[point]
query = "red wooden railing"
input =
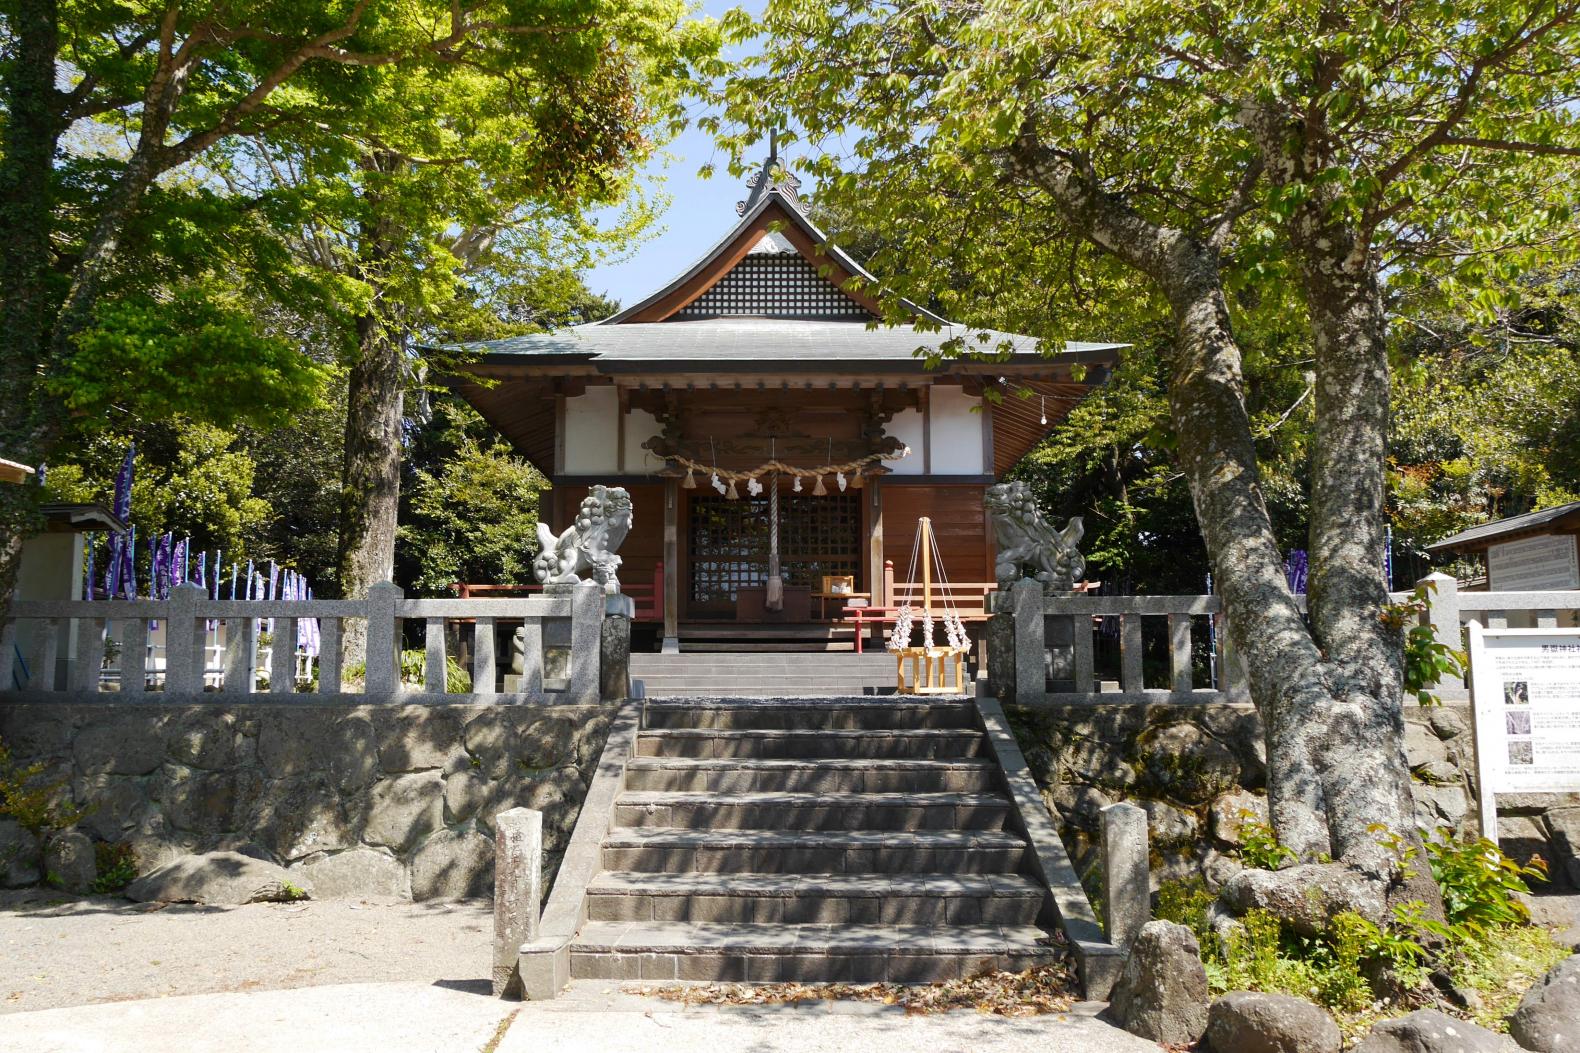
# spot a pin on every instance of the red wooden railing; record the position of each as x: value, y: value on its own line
x: 648, y: 596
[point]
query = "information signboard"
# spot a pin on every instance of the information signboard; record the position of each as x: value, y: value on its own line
x: 1525, y: 695
x: 1534, y: 564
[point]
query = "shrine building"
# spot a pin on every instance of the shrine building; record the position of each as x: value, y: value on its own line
x: 765, y: 353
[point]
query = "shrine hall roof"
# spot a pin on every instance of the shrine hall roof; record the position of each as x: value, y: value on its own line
x: 757, y: 343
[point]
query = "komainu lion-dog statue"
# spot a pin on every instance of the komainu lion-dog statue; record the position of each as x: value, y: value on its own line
x: 1028, y: 545
x: 588, y: 545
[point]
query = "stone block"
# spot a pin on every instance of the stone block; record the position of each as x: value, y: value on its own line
x: 21, y: 860
x: 1161, y: 993
x: 1564, y: 827
x: 203, y: 739
x: 69, y: 862
x: 1227, y: 816
x: 356, y: 873
x: 1429, y: 1031
x: 1184, y: 763
x: 1168, y: 825
x: 299, y: 740
x: 417, y: 738
x: 354, y: 765
x: 1126, y: 899
x: 1448, y: 802
x: 487, y: 738
x: 1079, y: 805
x: 115, y: 803
x: 131, y: 745
x: 220, y: 878
x: 1548, y: 1017
x: 203, y: 802
x: 405, y: 809
x: 1422, y: 746
x: 293, y: 818
x: 518, y: 893
x: 543, y: 743
x: 465, y: 792
x: 453, y: 864
x: 1254, y: 1022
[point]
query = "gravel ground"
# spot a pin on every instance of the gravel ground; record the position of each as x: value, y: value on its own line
x: 61, y: 951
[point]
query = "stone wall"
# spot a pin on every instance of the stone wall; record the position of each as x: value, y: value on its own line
x: 1197, y: 770
x: 393, y: 800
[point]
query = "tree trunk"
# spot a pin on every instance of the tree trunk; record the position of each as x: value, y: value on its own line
x: 29, y: 135
x: 370, y: 478
x: 1329, y: 701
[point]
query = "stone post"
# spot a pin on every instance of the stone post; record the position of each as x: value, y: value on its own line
x: 183, y: 642
x: 1001, y: 649
x: 1031, y: 663
x: 518, y: 892
x: 382, y: 674
x: 614, y: 649
x: 1126, y: 893
x: 1442, y: 611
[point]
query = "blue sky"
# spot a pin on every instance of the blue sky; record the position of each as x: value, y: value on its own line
x: 699, y: 212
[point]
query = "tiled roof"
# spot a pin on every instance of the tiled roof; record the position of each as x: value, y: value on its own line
x: 759, y: 342
x: 1480, y: 536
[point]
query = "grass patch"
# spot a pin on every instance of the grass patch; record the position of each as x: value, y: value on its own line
x: 1503, y: 966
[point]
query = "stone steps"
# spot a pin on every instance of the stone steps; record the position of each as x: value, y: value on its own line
x: 912, y: 743
x: 735, y: 775
x: 800, y: 899
x: 723, y: 951
x: 764, y: 675
x: 812, y: 811
x: 833, y: 851
x: 809, y: 715
x: 801, y: 838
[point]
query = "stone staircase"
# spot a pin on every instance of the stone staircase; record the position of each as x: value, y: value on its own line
x: 758, y: 674
x: 813, y: 839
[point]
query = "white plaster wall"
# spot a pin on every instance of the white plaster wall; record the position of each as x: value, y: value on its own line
x: 640, y: 426
x: 592, y: 432
x: 907, y: 427
x: 956, y: 432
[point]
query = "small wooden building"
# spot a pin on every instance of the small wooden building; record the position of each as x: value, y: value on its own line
x: 765, y: 350
x: 1535, y: 552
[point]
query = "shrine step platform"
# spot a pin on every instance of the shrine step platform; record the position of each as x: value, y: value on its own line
x: 764, y: 674
x: 848, y: 839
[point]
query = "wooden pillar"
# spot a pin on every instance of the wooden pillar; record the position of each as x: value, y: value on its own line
x: 874, y: 488
x: 671, y: 598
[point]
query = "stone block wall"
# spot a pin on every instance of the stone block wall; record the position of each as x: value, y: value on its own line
x: 394, y: 800
x: 1199, y: 770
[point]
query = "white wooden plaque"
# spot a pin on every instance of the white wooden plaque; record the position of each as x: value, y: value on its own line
x: 1525, y: 700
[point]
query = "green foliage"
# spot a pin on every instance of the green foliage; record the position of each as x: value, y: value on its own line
x: 1259, y: 846
x: 1480, y: 884
x: 1502, y: 964
x: 291, y: 893
x: 36, y: 803
x: 1185, y: 901
x: 414, y: 665
x: 116, y: 864
x: 470, y: 505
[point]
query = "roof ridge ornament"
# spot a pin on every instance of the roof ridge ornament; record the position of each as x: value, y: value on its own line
x: 779, y: 178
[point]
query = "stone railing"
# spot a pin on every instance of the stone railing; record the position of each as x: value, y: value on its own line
x: 1041, y: 643
x: 560, y: 635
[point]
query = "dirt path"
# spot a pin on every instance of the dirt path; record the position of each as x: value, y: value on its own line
x: 60, y: 951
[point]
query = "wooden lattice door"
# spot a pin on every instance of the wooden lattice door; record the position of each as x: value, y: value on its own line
x: 727, y: 545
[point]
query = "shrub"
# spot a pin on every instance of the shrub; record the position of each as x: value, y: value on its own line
x: 31, y: 800
x: 116, y: 864
x: 413, y: 665
x: 1480, y: 884
x: 1259, y: 846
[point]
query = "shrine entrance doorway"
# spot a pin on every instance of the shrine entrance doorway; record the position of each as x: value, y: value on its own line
x: 727, y: 550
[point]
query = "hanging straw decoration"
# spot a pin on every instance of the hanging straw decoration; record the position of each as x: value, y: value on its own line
x: 732, y: 494
x: 844, y: 475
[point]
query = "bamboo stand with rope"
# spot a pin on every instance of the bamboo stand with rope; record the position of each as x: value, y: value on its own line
x: 929, y: 663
